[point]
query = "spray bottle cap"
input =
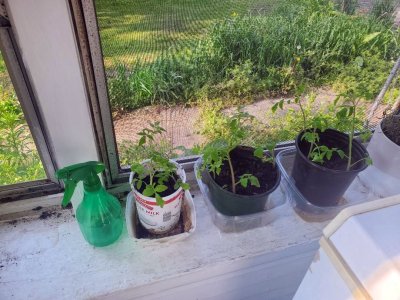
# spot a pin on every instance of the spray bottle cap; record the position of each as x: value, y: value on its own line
x: 86, y: 172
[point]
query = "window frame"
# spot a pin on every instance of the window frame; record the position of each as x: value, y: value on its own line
x: 84, y: 22
x: 26, y: 97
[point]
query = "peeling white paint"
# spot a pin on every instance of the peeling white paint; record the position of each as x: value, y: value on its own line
x: 49, y: 259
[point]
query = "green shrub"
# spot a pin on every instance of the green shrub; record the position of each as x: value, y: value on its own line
x: 241, y: 80
x: 365, y: 75
x: 287, y: 124
x: 245, y: 55
x: 392, y: 95
x: 19, y: 160
x: 130, y: 152
x: 130, y: 89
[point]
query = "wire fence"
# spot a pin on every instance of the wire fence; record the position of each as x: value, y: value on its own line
x: 143, y: 31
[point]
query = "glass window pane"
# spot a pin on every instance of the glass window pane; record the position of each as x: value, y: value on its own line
x: 19, y: 159
x: 183, y: 63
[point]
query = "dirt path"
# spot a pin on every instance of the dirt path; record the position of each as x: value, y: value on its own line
x: 178, y: 121
x: 181, y: 123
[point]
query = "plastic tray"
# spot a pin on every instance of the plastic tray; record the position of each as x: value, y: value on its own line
x: 188, y: 218
x: 356, y: 193
x: 273, y: 209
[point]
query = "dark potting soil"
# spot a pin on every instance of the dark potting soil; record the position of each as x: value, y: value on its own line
x: 170, y: 184
x: 184, y: 224
x: 336, y: 162
x: 391, y: 128
x: 244, y: 162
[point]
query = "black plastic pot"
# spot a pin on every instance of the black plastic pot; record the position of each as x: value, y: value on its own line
x: 231, y: 204
x: 320, y: 185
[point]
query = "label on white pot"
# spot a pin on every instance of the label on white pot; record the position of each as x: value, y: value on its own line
x: 158, y: 219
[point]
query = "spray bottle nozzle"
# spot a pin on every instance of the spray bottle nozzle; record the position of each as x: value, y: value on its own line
x: 86, y: 172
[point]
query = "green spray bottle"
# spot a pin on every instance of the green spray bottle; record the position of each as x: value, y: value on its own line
x: 99, y: 214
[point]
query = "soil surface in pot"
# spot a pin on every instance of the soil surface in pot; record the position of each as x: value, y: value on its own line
x: 170, y: 184
x: 391, y: 128
x: 244, y: 162
x: 336, y: 162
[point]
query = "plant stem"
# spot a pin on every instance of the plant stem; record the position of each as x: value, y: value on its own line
x: 357, y: 162
x: 311, y: 145
x: 232, y: 174
x: 351, y: 136
x: 303, y: 114
x: 151, y: 179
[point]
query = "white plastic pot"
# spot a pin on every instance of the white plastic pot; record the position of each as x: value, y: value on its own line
x: 158, y: 219
x: 132, y: 220
x: 385, y: 154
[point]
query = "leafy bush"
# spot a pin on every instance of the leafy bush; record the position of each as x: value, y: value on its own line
x: 217, y: 152
x: 286, y: 125
x: 130, y: 152
x: 241, y: 80
x: 19, y: 160
x: 130, y: 90
x: 151, y: 177
x: 246, y: 55
x: 365, y: 76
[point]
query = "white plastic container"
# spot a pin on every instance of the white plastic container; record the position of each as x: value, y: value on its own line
x: 275, y: 207
x: 359, y: 255
x: 356, y: 193
x: 188, y: 219
x: 385, y: 154
x: 154, y: 218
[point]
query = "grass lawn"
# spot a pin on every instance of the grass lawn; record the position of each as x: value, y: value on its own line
x: 137, y: 31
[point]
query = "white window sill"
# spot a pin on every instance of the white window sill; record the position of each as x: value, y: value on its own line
x: 49, y: 259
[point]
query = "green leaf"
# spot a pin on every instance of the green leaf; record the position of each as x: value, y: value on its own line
x: 176, y: 185
x: 359, y: 61
x: 342, y: 114
x: 198, y: 174
x: 142, y: 141
x: 254, y: 181
x: 310, y: 137
x: 365, y: 136
x: 368, y: 161
x: 341, y: 153
x: 139, y: 184
x: 244, y: 181
x: 329, y: 155
x: 281, y: 104
x: 337, y: 99
x: 370, y: 37
x: 149, y: 191
x: 259, y: 152
x: 274, y: 107
x: 185, y: 186
x: 161, y: 188
x: 137, y: 168
x: 350, y: 111
x: 160, y: 202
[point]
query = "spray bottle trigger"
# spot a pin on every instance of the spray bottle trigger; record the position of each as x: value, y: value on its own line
x: 70, y: 186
